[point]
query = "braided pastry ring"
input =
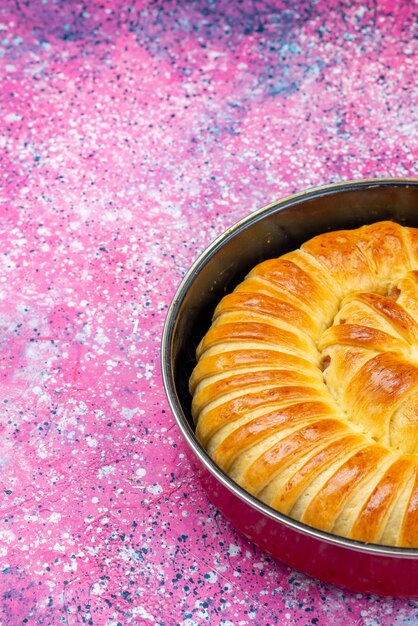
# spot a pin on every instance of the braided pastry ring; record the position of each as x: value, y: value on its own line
x: 305, y: 390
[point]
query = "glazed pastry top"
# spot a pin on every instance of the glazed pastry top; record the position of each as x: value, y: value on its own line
x: 305, y: 390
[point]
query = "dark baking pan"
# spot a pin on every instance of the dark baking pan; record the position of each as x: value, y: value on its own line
x: 269, y: 232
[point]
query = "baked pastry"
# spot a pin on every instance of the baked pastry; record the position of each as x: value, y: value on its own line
x: 305, y: 390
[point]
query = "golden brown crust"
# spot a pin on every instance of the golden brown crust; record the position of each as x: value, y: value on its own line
x: 371, y: 519
x: 305, y: 389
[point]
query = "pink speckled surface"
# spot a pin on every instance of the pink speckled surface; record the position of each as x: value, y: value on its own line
x: 131, y: 135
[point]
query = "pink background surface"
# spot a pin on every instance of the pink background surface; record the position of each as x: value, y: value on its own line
x: 132, y: 134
